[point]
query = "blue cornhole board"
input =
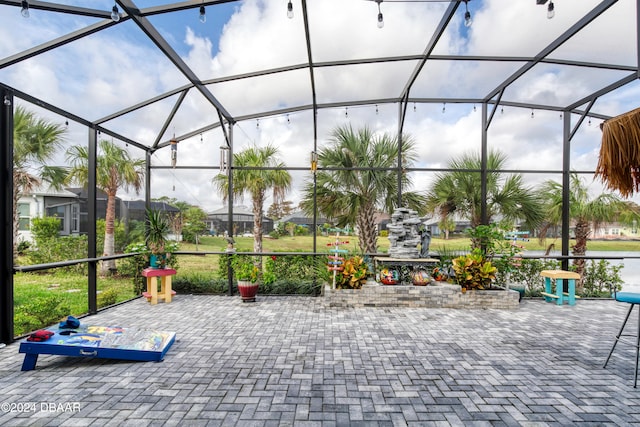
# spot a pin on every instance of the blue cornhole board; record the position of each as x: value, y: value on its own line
x: 102, y: 342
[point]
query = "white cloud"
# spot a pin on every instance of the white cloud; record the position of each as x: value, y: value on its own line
x: 105, y: 72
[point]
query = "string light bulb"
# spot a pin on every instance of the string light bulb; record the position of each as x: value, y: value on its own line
x: 290, y: 10
x: 467, y: 15
x: 380, y: 17
x: 203, y: 14
x: 115, y: 13
x: 7, y: 101
x: 25, y: 9
x: 550, y: 10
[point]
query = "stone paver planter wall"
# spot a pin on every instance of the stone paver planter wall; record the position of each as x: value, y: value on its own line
x: 439, y: 295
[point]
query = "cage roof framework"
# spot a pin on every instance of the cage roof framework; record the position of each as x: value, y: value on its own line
x: 111, y: 74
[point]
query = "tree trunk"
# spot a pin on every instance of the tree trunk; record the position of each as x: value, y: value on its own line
x: 582, y: 232
x: 109, y: 235
x: 258, y: 202
x: 16, y: 222
x: 367, y: 230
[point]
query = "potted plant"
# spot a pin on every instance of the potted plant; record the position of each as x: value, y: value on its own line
x: 156, y: 239
x: 353, y: 275
x: 247, y: 274
x: 474, y: 271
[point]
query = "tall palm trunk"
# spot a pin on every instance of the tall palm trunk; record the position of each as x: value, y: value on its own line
x: 258, y: 200
x: 109, y: 234
x: 582, y: 232
x: 367, y: 231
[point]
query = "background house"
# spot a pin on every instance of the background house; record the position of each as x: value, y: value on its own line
x: 217, y: 221
x: 71, y: 207
x: 61, y: 204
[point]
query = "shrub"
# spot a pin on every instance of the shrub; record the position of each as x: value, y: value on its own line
x: 199, y: 283
x: 473, y: 271
x: 45, y: 228
x: 600, y: 278
x: 108, y: 297
x: 291, y: 287
x: 354, y: 273
x: 63, y: 248
x: 40, y: 312
x: 528, y: 274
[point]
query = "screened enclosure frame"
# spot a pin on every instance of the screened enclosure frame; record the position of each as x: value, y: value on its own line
x: 225, y: 120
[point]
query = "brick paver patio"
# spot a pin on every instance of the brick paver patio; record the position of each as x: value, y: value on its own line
x: 292, y: 361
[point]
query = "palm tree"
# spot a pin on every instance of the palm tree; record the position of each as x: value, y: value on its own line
x: 361, y: 177
x: 507, y: 197
x: 584, y: 212
x: 116, y: 169
x: 255, y: 171
x: 35, y: 143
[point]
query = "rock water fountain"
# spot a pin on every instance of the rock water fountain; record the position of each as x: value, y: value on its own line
x: 404, y: 234
x: 404, y: 258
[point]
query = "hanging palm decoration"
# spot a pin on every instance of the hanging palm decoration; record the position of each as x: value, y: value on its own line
x: 619, y: 160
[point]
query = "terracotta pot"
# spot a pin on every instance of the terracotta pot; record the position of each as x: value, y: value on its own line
x: 248, y: 290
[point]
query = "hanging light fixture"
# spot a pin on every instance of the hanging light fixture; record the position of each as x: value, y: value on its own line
x: 550, y: 10
x: 290, y: 10
x: 203, y: 15
x: 25, y: 9
x: 467, y: 15
x: 380, y: 17
x: 7, y: 101
x: 115, y: 13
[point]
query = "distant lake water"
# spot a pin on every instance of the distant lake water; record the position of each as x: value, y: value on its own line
x: 630, y: 272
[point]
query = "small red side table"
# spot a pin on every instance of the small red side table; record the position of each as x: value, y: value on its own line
x: 152, y: 275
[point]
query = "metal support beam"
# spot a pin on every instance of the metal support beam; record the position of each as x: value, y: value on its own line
x: 172, y: 114
x: 230, y: 203
x: 483, y: 166
x: 574, y: 29
x: 6, y: 216
x: 92, y: 216
x: 566, y: 183
x: 314, y: 106
x: 155, y: 36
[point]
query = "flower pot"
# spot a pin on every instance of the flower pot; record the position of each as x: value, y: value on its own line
x: 420, y: 278
x: 389, y: 276
x: 248, y: 290
x: 158, y: 260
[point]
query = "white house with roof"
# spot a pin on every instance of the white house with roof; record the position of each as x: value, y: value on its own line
x: 41, y: 202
